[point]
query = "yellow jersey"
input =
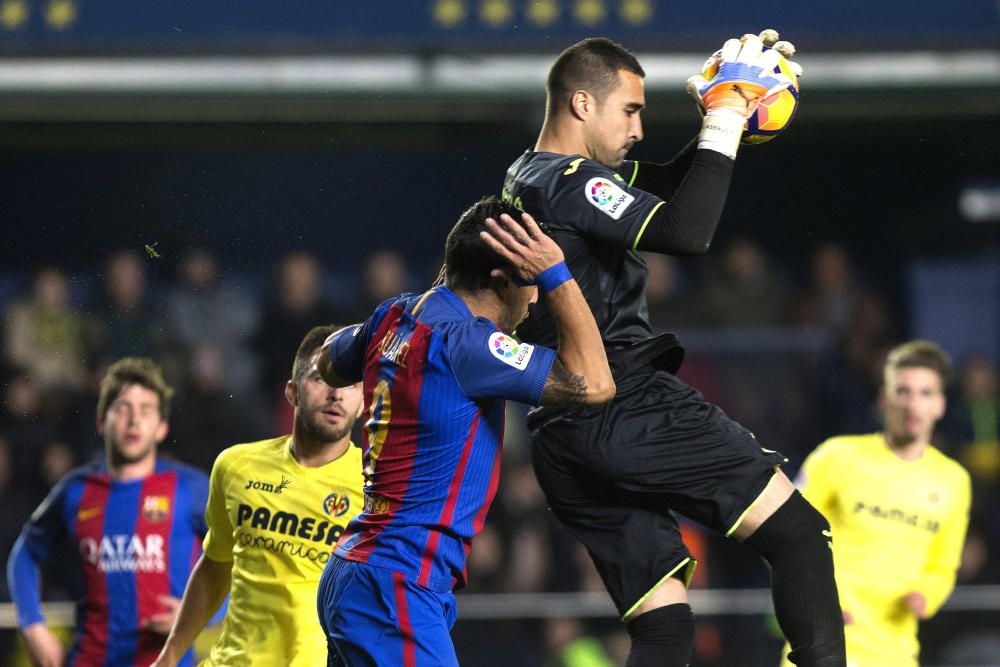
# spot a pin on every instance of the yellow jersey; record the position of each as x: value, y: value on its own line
x: 898, y: 527
x: 277, y: 522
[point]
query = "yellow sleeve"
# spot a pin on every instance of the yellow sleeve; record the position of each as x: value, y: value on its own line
x: 817, y: 480
x: 938, y: 578
x: 219, y: 542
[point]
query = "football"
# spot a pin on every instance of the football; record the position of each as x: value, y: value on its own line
x: 774, y: 112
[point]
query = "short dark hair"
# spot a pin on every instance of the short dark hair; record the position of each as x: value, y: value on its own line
x: 921, y: 354
x: 592, y: 65
x: 468, y: 261
x: 307, y: 348
x: 133, y: 370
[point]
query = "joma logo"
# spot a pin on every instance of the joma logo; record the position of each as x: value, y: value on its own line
x: 266, y: 486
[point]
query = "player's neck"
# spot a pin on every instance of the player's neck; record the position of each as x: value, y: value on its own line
x: 907, y: 450
x: 312, y: 453
x: 556, y: 138
x: 128, y: 472
x: 484, y: 303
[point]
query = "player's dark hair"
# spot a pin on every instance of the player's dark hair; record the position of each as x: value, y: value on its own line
x: 133, y: 370
x: 921, y: 354
x: 468, y: 261
x: 592, y: 65
x: 307, y: 348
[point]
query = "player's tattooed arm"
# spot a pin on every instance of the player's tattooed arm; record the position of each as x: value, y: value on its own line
x: 563, y: 387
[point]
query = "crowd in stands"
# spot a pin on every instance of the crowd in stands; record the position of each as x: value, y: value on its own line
x: 796, y: 356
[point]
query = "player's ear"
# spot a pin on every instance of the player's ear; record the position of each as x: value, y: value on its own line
x: 162, y: 430
x: 581, y: 104
x: 292, y: 393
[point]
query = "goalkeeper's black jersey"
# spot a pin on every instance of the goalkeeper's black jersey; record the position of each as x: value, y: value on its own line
x: 598, y: 218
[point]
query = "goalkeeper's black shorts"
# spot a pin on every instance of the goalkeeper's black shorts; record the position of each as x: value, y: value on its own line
x: 612, y: 474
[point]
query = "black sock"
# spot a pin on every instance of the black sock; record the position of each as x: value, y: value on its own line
x: 663, y: 637
x: 796, y: 544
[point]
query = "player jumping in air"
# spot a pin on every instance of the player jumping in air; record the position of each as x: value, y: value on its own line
x: 613, y: 473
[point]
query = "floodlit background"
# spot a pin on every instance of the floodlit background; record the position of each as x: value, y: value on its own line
x: 202, y: 181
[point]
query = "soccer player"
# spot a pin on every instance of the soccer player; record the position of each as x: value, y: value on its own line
x: 131, y: 525
x: 275, y: 509
x: 437, y: 369
x: 612, y: 474
x: 898, y: 508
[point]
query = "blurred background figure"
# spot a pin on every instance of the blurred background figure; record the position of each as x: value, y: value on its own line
x: 747, y: 290
x: 385, y: 276
x: 829, y: 301
x: 295, y: 305
x: 128, y: 318
x: 202, y: 309
x: 47, y: 337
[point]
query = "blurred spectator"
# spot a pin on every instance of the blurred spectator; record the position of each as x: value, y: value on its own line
x: 749, y: 291
x: 26, y: 430
x: 204, y: 310
x: 670, y: 304
x: 830, y: 300
x: 128, y: 318
x: 853, y: 375
x: 385, y: 276
x: 45, y: 336
x: 972, y: 427
x: 296, y: 305
x: 207, y: 417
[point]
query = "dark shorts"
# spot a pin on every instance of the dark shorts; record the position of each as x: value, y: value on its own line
x: 613, y: 473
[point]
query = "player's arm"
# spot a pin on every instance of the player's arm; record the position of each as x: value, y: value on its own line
x: 34, y: 547
x: 341, y: 356
x: 206, y: 590
x: 938, y: 578
x: 580, y: 373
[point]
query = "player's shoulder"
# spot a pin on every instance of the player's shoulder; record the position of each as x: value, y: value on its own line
x: 852, y: 446
x: 251, y: 452
x: 94, y: 470
x: 183, y: 470
x: 948, y: 467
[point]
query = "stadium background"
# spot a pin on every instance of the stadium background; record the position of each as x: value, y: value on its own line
x: 203, y: 184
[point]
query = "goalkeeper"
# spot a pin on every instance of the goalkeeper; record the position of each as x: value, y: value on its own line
x: 613, y: 473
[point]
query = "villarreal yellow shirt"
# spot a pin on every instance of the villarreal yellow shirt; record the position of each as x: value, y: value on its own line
x: 898, y: 527
x: 277, y: 522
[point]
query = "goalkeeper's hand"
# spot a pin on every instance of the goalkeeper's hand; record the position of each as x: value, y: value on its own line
x: 712, y: 89
x: 732, y: 83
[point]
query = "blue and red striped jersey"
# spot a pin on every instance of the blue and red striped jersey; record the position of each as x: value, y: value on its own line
x: 130, y: 541
x: 435, y: 383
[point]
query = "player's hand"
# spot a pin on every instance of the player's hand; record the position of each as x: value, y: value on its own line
x: 44, y: 648
x: 848, y: 617
x: 529, y: 250
x: 162, y: 622
x: 916, y: 603
x: 740, y: 74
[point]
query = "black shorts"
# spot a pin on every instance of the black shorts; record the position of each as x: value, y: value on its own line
x: 612, y: 474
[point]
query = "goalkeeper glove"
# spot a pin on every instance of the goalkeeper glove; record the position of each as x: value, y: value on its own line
x: 732, y: 83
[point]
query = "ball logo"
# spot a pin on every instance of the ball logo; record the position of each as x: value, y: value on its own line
x: 607, y: 197
x: 510, y: 351
x: 336, y: 504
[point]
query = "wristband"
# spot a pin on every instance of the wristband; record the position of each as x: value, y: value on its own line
x: 554, y: 276
x: 721, y: 131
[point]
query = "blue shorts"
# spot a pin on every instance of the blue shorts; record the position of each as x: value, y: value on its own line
x: 375, y: 616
